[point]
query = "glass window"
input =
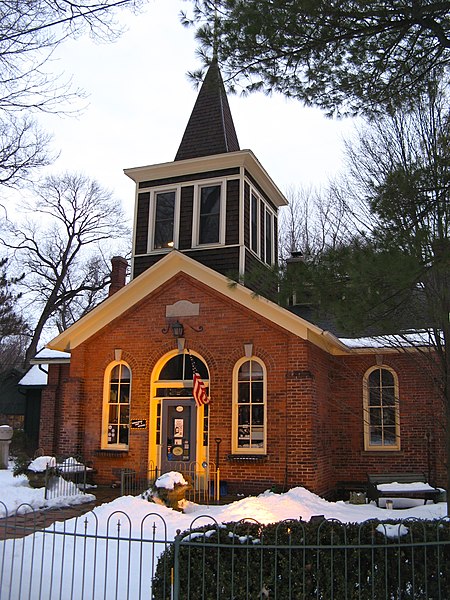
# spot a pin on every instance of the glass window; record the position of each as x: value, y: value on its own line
x: 254, y: 223
x: 268, y: 238
x: 250, y: 408
x: 262, y: 237
x: 117, y: 409
x: 164, y: 220
x: 209, y: 224
x: 180, y: 368
x: 205, y: 424
x: 381, y: 410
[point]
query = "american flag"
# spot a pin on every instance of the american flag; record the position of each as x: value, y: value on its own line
x: 198, y: 387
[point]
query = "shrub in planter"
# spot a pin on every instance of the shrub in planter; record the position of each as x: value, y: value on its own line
x: 36, y: 470
x: 169, y: 489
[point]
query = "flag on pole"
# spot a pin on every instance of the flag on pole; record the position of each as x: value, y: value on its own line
x: 198, y: 387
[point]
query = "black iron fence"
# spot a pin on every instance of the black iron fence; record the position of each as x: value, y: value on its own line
x: 203, y: 480
x: 116, y: 556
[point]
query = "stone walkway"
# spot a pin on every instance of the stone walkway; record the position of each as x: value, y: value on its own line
x: 18, y: 526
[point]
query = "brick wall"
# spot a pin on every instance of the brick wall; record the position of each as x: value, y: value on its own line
x: 314, y: 401
x: 421, y: 420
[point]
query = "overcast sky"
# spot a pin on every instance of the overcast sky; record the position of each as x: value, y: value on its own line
x: 140, y: 100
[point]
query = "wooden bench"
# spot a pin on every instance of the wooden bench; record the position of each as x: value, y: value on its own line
x: 374, y: 492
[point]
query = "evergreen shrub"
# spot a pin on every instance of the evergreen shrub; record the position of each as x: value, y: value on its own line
x: 306, y: 560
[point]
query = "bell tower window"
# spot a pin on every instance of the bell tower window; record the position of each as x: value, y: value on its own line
x: 164, y: 219
x: 209, y: 214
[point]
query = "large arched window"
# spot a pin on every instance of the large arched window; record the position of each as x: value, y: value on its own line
x: 116, y: 407
x: 381, y: 413
x: 249, y: 407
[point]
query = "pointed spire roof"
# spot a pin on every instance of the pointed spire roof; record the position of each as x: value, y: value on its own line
x: 210, y: 129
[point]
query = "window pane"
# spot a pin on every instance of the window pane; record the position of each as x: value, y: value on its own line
x: 257, y: 437
x: 257, y: 392
x: 262, y: 229
x: 258, y: 415
x: 244, y: 372
x: 374, y: 378
x: 389, y: 437
x: 387, y: 379
x: 209, y: 214
x: 244, y: 392
x: 268, y: 238
x: 375, y: 416
x: 125, y: 374
x: 254, y: 223
x: 115, y: 373
x: 199, y: 365
x: 244, y: 415
x: 374, y: 397
x: 257, y: 370
x: 388, y: 397
x: 112, y: 434
x: 164, y: 219
x: 123, y: 434
x: 179, y: 368
x: 375, y: 436
x: 124, y: 394
x: 125, y: 414
x: 173, y: 369
x: 389, y: 416
x: 113, y: 414
x: 114, y: 393
x: 243, y: 436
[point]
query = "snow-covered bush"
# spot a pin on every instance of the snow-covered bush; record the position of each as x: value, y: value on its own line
x: 35, y: 469
x: 169, y: 489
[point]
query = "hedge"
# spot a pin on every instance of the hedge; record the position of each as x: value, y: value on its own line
x: 321, y: 560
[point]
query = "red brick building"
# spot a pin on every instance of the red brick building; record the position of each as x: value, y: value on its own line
x: 291, y: 403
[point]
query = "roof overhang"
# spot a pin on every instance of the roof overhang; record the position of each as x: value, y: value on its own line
x: 48, y: 356
x: 165, y: 269
x: 241, y: 158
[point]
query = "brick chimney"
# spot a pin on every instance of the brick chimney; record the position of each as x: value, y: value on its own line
x: 118, y: 274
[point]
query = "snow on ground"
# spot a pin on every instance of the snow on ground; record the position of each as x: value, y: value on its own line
x: 265, y: 508
x: 144, y: 527
x: 16, y: 491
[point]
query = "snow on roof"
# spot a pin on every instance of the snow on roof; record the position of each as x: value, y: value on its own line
x: 34, y: 377
x: 409, y: 339
x: 46, y: 354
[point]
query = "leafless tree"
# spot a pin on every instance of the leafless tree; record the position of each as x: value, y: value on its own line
x: 30, y: 31
x: 314, y: 220
x: 12, y: 352
x: 61, y: 248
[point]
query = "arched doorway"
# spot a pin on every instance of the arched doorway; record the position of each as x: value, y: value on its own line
x: 180, y: 428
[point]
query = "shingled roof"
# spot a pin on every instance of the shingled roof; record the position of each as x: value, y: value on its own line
x: 210, y: 129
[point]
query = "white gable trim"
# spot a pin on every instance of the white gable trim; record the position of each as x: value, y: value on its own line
x: 166, y: 268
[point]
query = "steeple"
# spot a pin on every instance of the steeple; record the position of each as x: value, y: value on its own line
x: 210, y: 129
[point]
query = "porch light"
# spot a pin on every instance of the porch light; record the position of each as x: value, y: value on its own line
x: 178, y: 329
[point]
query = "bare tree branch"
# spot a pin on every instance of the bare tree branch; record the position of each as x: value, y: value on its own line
x: 66, y: 274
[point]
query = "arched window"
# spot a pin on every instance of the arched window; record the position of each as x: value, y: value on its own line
x: 249, y: 408
x: 381, y: 413
x: 116, y: 408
